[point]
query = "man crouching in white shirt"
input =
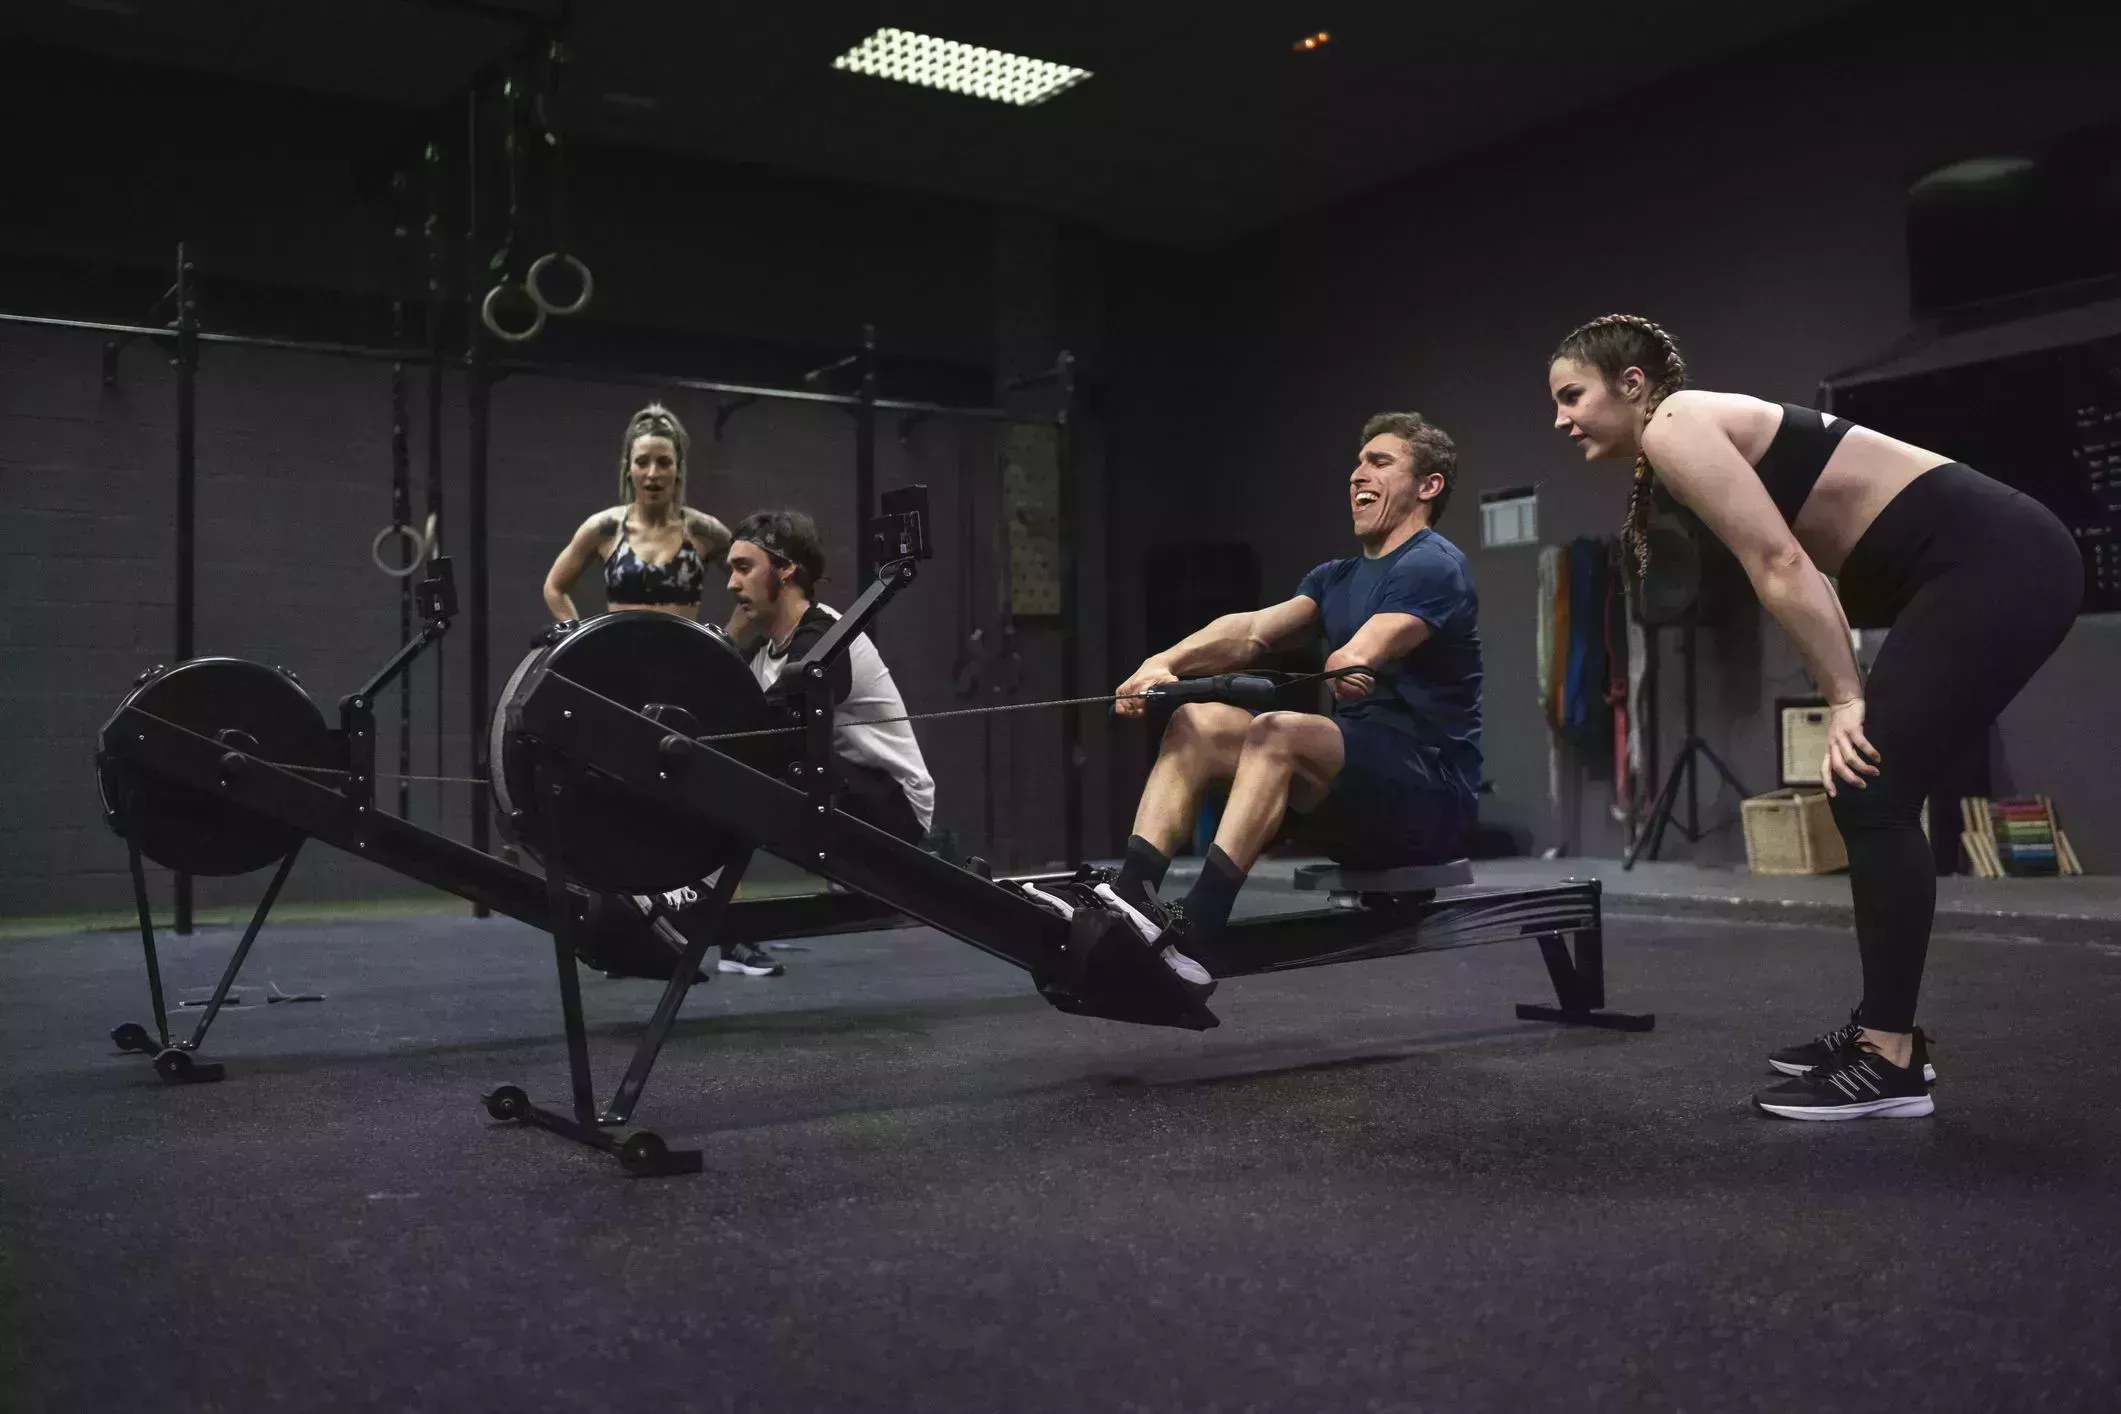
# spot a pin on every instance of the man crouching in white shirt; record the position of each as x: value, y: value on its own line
x: 775, y: 561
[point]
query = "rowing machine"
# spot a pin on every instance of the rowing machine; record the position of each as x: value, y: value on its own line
x: 635, y: 754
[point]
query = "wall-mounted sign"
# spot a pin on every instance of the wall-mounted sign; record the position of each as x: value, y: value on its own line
x: 1509, y: 517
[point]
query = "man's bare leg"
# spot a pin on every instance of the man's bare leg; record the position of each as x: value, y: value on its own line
x: 1201, y: 746
x: 1288, y: 757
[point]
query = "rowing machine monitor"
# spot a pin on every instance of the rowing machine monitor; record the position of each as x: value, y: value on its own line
x: 901, y: 532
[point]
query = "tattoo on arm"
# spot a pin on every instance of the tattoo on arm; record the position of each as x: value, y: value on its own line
x: 710, y: 537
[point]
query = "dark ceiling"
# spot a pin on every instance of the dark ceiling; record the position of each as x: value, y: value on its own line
x: 1200, y: 123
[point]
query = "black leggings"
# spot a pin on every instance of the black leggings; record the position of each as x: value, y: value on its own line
x: 1979, y: 584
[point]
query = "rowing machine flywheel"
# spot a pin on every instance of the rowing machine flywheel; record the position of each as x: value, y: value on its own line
x: 235, y: 705
x: 688, y: 675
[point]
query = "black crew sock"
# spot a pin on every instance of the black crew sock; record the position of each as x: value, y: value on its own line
x: 1208, y: 906
x: 1141, y: 871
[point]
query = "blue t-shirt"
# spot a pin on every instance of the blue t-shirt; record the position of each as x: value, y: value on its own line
x: 1433, y: 693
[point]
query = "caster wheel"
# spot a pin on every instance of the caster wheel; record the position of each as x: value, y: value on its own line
x: 508, y: 1102
x: 645, y: 1153
x: 176, y: 1065
x: 132, y: 1036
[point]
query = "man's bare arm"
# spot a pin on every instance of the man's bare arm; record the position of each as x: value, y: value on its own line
x: 1228, y: 642
x: 1383, y: 639
x: 1236, y: 639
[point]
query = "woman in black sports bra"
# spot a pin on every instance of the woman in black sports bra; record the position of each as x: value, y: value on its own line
x: 1979, y: 584
x: 658, y: 553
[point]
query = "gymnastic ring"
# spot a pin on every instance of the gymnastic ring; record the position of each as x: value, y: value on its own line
x: 415, y: 542
x: 546, y: 262
x: 493, y: 323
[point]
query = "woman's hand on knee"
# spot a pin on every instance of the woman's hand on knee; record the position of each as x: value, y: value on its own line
x: 1849, y: 754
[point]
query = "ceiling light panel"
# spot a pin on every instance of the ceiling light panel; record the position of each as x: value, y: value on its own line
x: 968, y: 69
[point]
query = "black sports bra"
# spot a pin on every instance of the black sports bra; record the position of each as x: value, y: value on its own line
x: 628, y: 579
x: 1790, y: 467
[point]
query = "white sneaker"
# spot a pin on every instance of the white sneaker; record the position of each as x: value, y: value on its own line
x: 1151, y: 930
x: 1053, y: 903
x: 676, y: 901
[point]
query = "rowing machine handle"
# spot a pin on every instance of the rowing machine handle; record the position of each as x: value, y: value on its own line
x: 1238, y: 689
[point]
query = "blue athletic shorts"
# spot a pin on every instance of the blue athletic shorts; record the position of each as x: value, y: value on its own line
x: 1392, y: 804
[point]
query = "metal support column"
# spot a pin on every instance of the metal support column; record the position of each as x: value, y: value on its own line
x: 187, y: 497
x: 865, y: 460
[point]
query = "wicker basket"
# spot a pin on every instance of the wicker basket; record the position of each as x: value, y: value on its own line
x: 1792, y: 832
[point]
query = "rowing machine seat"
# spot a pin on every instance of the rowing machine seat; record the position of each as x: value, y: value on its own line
x: 1424, y: 879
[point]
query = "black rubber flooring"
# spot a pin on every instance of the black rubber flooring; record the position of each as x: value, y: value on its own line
x: 1371, y: 1189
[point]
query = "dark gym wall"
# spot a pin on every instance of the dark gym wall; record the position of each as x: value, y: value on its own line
x: 289, y: 191
x: 1756, y: 211
x: 703, y: 269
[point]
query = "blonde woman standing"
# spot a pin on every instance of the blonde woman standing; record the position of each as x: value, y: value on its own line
x: 658, y: 553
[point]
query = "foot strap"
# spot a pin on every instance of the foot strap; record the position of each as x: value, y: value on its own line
x: 1105, y: 970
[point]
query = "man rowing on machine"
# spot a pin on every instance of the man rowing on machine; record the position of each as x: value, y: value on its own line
x: 1389, y: 777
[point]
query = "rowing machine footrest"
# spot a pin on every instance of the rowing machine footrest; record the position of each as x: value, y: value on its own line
x: 1106, y: 971
x: 619, y: 939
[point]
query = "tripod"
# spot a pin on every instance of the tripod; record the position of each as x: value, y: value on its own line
x: 1651, y: 837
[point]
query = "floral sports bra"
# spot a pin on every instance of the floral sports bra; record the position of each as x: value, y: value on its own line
x: 628, y: 579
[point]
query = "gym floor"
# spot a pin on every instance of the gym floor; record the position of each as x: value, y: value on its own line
x: 1372, y: 1188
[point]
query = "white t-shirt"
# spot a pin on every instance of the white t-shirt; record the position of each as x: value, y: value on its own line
x: 872, y: 697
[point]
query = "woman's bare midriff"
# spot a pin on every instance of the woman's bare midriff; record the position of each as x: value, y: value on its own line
x: 1867, y: 470
x: 683, y: 611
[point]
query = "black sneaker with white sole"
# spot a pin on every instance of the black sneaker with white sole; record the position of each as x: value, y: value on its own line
x: 749, y: 960
x: 623, y: 953
x: 1798, y: 1060
x: 1093, y: 890
x: 1160, y: 925
x: 1859, y: 1083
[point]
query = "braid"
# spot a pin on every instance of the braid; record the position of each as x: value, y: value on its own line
x: 1638, y: 342
x: 1635, y: 533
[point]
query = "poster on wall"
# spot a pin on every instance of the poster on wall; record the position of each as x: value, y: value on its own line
x: 1031, y: 513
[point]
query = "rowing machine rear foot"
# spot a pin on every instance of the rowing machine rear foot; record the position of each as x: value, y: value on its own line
x: 1605, y: 1020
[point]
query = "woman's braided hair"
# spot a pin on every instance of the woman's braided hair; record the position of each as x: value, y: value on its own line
x: 1612, y: 344
x: 655, y: 420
